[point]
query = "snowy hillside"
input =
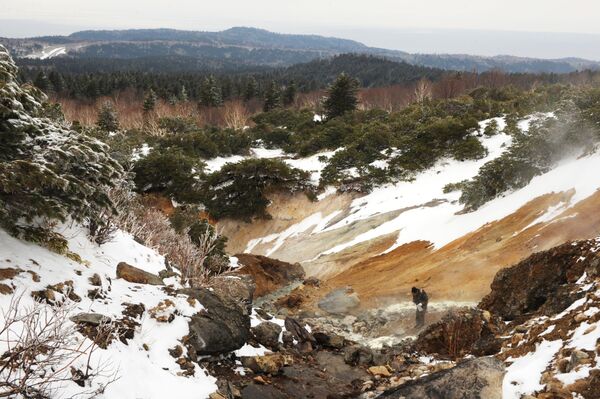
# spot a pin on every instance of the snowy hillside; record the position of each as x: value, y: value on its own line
x: 142, y: 367
x: 420, y: 209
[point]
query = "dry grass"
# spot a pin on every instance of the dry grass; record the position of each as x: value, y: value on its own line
x: 233, y: 114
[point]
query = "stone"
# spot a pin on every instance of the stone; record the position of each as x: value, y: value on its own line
x: 222, y: 326
x: 267, y: 364
x: 563, y: 365
x: 479, y: 378
x: 9, y: 273
x: 329, y: 340
x: 287, y: 338
x: 358, y: 355
x: 379, y: 371
x: 46, y: 296
x: 312, y: 282
x: 269, y: 274
x: 263, y: 314
x: 267, y: 334
x: 96, y: 280
x: 176, y: 351
x: 237, y: 288
x: 299, y: 332
x: 164, y: 274
x: 579, y: 317
x: 542, y: 284
x: 5, y: 289
x: 460, y: 332
x: 94, y: 319
x: 340, y: 301
x: 577, y: 357
x: 134, y: 275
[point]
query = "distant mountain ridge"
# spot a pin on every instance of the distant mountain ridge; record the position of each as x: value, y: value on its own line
x: 252, y: 46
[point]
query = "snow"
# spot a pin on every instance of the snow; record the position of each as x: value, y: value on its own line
x: 441, y: 224
x: 215, y: 164
x: 586, y: 336
x: 571, y: 377
x: 141, y: 373
x: 49, y: 52
x: 312, y: 164
x: 317, y: 221
x: 249, y: 350
x: 426, y: 213
x: 523, y: 375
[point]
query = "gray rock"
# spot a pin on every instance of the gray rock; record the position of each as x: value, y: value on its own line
x: 94, y: 319
x: 480, y: 378
x: 357, y: 355
x: 267, y: 334
x: 577, y: 357
x: 222, y: 326
x: 340, y: 301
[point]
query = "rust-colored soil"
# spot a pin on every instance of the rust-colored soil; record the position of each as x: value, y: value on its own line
x: 464, y: 269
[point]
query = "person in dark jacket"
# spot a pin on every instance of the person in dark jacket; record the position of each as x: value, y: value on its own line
x: 420, y: 299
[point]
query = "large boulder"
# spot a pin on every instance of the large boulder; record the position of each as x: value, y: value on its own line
x: 269, y: 274
x: 340, y: 301
x: 224, y: 323
x: 543, y: 283
x: 460, y: 332
x: 267, y: 334
x: 135, y: 275
x: 480, y: 378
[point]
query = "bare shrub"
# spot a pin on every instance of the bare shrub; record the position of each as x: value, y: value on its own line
x: 423, y: 90
x: 152, y: 228
x: 235, y: 115
x: 41, y: 350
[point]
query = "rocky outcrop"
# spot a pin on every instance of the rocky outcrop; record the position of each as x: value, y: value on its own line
x: 473, y: 379
x: 269, y: 274
x: 135, y: 275
x: 267, y: 334
x: 542, y: 283
x: 461, y: 332
x: 340, y: 301
x: 224, y: 323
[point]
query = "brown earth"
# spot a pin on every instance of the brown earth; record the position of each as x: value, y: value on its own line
x: 460, y: 271
x: 464, y: 269
x: 268, y: 274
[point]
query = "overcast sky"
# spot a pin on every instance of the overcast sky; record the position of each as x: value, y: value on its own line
x: 385, y: 23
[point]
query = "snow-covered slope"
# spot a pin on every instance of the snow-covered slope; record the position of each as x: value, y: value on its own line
x: 420, y: 209
x: 143, y: 367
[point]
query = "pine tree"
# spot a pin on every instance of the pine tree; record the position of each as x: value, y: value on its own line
x: 48, y: 171
x: 341, y: 96
x: 210, y: 94
x: 58, y: 83
x: 272, y: 97
x: 289, y: 94
x: 108, y: 119
x: 42, y: 82
x: 150, y: 101
x: 183, y: 95
x: 251, y: 89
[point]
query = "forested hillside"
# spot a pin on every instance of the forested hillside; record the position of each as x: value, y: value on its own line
x: 253, y: 47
